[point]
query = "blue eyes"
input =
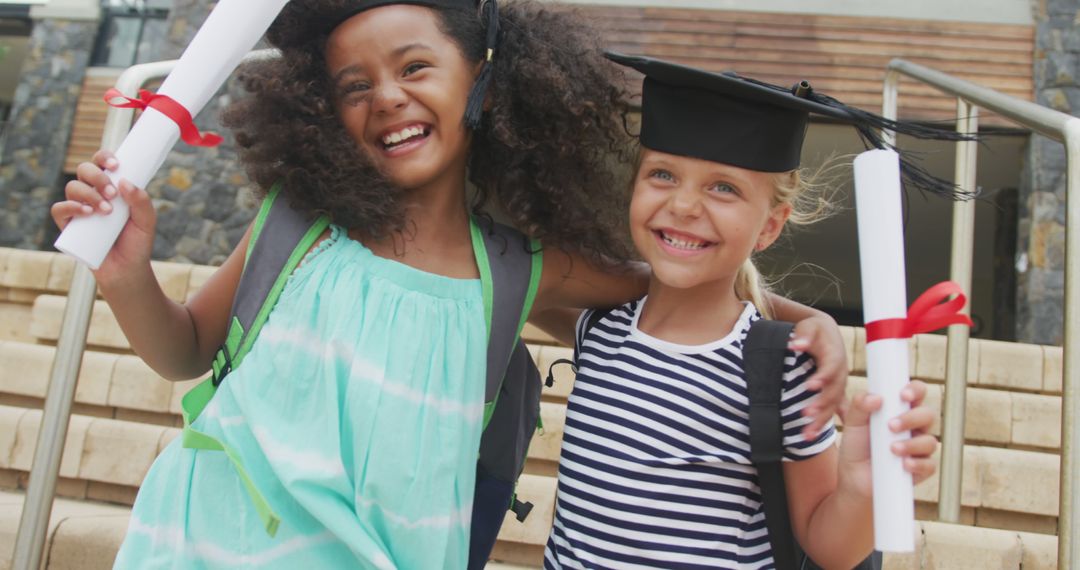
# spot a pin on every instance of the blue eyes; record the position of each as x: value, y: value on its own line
x: 667, y: 177
x: 662, y: 174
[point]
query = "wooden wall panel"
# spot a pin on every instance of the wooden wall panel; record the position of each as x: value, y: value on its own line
x: 842, y: 56
x: 89, y: 116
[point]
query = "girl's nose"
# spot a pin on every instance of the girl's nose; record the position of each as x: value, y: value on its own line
x: 389, y: 97
x: 684, y: 202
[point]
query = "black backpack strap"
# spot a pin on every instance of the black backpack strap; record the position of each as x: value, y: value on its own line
x: 763, y: 363
x: 514, y: 275
x: 510, y: 274
x: 512, y: 388
x: 593, y: 317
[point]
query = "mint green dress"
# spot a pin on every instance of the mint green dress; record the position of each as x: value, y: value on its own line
x: 357, y: 414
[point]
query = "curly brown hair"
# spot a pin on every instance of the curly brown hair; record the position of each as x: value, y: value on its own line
x: 550, y: 151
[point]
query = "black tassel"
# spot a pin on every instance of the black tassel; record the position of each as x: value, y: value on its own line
x: 474, y: 107
x: 869, y: 127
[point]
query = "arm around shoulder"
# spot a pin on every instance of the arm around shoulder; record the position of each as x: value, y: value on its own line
x: 570, y: 282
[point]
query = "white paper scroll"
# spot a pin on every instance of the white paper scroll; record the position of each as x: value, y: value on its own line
x: 231, y: 30
x: 884, y: 291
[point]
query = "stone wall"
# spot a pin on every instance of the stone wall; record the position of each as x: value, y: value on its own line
x: 35, y: 140
x: 202, y: 196
x: 1041, y: 239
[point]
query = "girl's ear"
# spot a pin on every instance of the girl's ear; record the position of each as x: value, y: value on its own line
x: 774, y: 224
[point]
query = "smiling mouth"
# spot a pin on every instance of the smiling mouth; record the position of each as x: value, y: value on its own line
x: 684, y: 243
x: 404, y: 136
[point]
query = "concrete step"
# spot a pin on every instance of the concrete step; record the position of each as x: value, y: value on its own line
x: 998, y: 417
x: 112, y: 385
x: 126, y: 388
x: 25, y: 274
x: 103, y: 458
x: 84, y: 535
x: 107, y: 459
x: 992, y: 364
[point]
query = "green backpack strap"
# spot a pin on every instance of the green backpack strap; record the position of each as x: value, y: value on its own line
x: 510, y: 277
x: 510, y: 269
x: 269, y: 261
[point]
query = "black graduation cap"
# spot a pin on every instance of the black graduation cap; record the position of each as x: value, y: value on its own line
x: 737, y: 120
x: 352, y: 8
x: 474, y: 108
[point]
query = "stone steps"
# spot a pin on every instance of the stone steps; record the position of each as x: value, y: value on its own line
x: 84, y: 535
x: 118, y: 453
x: 125, y: 414
x: 993, y: 365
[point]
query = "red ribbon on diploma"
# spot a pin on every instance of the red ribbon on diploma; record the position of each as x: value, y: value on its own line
x: 927, y: 313
x: 170, y: 108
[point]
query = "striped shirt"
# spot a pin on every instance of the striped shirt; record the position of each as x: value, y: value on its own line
x: 655, y: 470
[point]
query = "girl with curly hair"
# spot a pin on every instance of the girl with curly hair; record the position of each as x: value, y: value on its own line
x: 356, y: 411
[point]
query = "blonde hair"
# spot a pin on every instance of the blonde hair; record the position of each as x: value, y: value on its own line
x: 810, y: 194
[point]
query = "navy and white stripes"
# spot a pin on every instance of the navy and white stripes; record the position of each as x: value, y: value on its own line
x: 655, y: 469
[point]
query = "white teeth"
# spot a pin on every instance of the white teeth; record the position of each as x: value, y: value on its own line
x: 402, y: 135
x: 682, y: 244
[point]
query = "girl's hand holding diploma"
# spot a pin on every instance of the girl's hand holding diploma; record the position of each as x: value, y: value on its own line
x: 854, y: 473
x: 91, y: 194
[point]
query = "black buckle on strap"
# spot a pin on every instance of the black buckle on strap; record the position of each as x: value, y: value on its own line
x: 219, y: 375
x: 521, y: 509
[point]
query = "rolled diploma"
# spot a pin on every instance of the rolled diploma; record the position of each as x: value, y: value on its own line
x: 881, y: 260
x: 230, y: 31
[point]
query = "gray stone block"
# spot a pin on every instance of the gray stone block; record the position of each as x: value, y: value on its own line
x: 42, y: 112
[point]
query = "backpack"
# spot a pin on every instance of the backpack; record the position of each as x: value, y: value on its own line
x: 510, y: 276
x: 763, y: 363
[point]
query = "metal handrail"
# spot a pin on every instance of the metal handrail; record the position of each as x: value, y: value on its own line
x: 37, y: 506
x: 1062, y: 128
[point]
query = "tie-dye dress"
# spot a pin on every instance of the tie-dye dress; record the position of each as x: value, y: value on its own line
x: 357, y: 414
